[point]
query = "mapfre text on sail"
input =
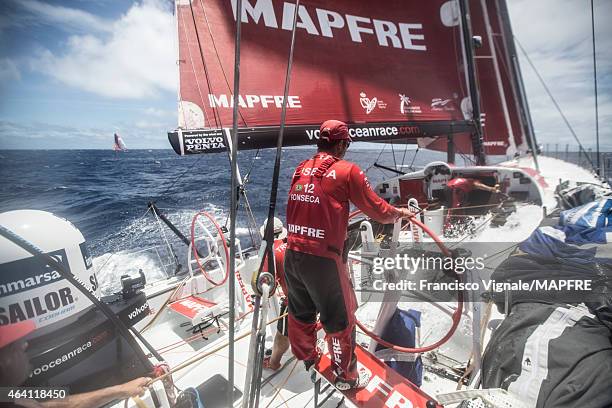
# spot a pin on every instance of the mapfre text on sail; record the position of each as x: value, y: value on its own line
x: 322, y: 22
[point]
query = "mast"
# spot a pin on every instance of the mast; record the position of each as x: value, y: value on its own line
x: 516, y: 68
x: 233, y: 209
x: 477, y: 140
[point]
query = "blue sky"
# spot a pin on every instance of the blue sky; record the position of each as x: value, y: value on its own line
x: 73, y: 72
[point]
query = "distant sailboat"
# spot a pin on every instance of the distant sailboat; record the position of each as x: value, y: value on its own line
x: 119, y: 145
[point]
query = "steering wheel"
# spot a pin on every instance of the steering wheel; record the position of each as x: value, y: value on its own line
x: 456, y: 317
x: 213, y: 253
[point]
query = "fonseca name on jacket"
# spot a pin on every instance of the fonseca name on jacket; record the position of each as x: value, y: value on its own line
x: 306, y: 198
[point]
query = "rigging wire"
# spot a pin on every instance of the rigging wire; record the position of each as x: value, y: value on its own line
x: 212, y: 41
x: 259, y: 282
x: 233, y: 207
x: 245, y: 179
x: 194, y: 73
x: 567, y: 123
x: 595, y: 87
x: 393, y: 151
x: 172, y: 184
x: 467, y: 158
x: 416, y: 152
x: 216, y: 116
x: 165, y: 238
x: 378, y: 157
x: 247, y: 206
x: 279, y: 149
x: 404, y: 156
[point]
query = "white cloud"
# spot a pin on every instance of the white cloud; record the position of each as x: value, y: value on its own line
x: 159, y: 113
x: 63, y: 17
x: 136, y: 60
x: 8, y: 70
x: 557, y: 37
x: 145, y: 124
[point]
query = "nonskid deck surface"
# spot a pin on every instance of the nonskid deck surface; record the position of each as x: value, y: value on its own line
x: 289, y: 387
x: 172, y: 335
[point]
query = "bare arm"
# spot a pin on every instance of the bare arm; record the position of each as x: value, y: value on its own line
x: 100, y: 397
x: 482, y: 186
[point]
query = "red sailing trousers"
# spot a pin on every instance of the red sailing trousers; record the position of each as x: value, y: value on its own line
x: 321, y: 284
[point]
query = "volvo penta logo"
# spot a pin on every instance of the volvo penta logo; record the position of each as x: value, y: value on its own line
x: 138, y: 311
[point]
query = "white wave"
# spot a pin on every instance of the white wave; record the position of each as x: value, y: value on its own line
x: 519, y: 225
x: 142, y: 245
x: 110, y: 267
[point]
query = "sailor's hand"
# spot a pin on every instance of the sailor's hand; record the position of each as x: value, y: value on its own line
x: 135, y: 387
x: 405, y: 213
x: 496, y: 189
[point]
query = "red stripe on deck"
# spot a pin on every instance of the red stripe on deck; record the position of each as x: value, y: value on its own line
x: 191, y: 306
x: 386, y: 387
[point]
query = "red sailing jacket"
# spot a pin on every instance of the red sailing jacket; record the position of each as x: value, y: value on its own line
x: 318, y: 207
x: 279, y: 248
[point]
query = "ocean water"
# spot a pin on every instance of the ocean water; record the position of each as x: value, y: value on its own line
x: 105, y: 195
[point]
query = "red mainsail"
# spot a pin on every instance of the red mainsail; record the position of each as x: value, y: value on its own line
x: 504, y: 116
x: 391, y: 70
x: 367, y: 64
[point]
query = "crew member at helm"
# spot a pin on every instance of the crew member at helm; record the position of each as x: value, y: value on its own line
x: 272, y: 360
x: 315, y: 261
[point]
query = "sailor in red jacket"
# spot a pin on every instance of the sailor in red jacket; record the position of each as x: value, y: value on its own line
x: 272, y: 360
x: 461, y: 187
x: 317, y: 275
